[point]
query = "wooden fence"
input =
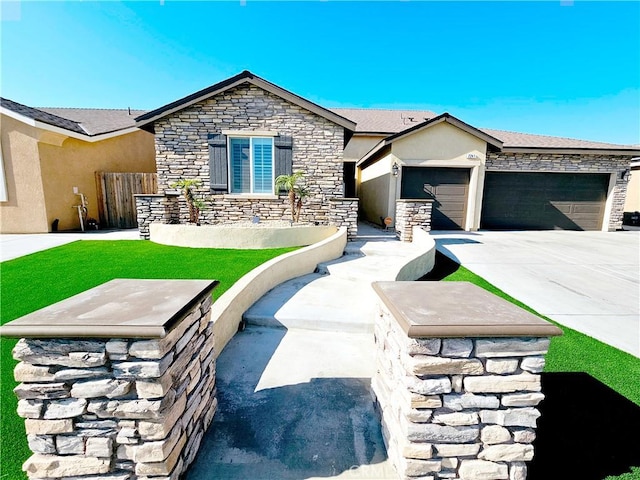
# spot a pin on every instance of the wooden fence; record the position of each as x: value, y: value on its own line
x: 116, y: 205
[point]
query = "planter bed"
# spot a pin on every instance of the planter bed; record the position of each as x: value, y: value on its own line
x: 244, y: 235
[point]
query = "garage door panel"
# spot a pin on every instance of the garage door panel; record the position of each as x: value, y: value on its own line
x: 448, y: 187
x: 587, y: 208
x: 452, y: 190
x: 544, y: 201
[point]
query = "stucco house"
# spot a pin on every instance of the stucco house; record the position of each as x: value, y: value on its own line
x: 492, y: 179
x: 46, y: 154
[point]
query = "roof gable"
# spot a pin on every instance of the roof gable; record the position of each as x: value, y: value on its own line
x: 445, y: 117
x: 241, y: 78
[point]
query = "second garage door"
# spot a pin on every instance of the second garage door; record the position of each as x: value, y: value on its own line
x: 448, y: 187
x: 544, y: 201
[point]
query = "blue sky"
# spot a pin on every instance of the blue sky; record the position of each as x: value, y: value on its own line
x: 550, y: 67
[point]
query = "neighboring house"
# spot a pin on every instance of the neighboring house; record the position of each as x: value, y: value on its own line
x: 632, y: 203
x: 236, y: 137
x: 47, y: 152
x: 492, y: 179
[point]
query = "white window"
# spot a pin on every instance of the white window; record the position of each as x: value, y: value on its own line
x: 251, y: 165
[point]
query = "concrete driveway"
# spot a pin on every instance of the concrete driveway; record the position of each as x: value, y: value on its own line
x: 588, y: 281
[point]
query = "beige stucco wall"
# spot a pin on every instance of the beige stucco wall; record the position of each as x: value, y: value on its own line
x: 239, y: 237
x: 74, y: 164
x: 359, y: 145
x: 632, y: 202
x: 376, y: 198
x: 442, y: 141
x: 41, y: 168
x: 24, y: 211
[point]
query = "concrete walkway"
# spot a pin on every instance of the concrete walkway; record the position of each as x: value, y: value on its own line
x: 588, y: 281
x: 18, y: 245
x: 294, y: 387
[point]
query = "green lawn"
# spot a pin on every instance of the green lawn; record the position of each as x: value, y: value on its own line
x: 35, y: 281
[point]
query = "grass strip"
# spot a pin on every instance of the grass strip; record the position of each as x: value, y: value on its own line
x: 575, y: 351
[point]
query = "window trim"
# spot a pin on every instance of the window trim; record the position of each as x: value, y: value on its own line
x: 251, y: 136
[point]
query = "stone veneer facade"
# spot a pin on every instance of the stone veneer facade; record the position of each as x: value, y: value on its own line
x: 412, y: 213
x: 118, y: 409
x: 343, y: 212
x: 457, y: 408
x: 548, y: 162
x: 182, y: 152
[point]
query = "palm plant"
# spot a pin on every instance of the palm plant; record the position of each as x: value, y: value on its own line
x: 295, y: 192
x: 194, y: 204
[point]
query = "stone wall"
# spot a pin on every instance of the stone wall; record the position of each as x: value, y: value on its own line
x: 412, y: 213
x: 118, y: 409
x: 547, y: 162
x: 457, y: 407
x: 344, y: 213
x: 156, y: 208
x: 182, y: 151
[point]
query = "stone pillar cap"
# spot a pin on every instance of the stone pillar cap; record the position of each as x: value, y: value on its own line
x: 120, y: 308
x: 458, y: 309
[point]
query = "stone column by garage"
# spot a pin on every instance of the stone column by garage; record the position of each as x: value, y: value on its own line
x: 117, y: 382
x: 457, y: 380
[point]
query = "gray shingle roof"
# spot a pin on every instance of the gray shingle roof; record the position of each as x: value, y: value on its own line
x: 523, y: 140
x: 86, y: 121
x: 394, y: 121
x: 42, y: 116
x: 373, y: 120
x: 96, y: 121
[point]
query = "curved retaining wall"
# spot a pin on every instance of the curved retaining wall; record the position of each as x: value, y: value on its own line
x: 424, y: 260
x: 239, y: 237
x: 227, y: 311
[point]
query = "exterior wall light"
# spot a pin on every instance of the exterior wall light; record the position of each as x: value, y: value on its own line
x: 395, y: 169
x: 625, y: 174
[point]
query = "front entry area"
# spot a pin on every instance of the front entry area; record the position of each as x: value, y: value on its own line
x: 544, y: 201
x: 448, y: 187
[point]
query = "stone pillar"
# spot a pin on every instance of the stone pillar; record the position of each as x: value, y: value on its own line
x: 457, y: 381
x: 343, y: 212
x: 160, y: 208
x: 117, y: 382
x: 412, y: 213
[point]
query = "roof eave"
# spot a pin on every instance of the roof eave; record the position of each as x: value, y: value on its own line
x: 63, y: 131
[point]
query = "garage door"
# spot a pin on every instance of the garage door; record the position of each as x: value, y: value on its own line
x: 448, y: 187
x: 544, y: 201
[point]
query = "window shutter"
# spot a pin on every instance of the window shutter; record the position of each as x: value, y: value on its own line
x: 283, y: 158
x: 218, y: 165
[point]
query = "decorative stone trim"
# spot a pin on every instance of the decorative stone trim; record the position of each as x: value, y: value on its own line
x: 412, y: 213
x: 343, y: 212
x: 455, y: 407
x: 119, y: 408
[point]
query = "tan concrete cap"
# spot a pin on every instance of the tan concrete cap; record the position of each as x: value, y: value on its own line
x: 457, y: 309
x: 120, y: 308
